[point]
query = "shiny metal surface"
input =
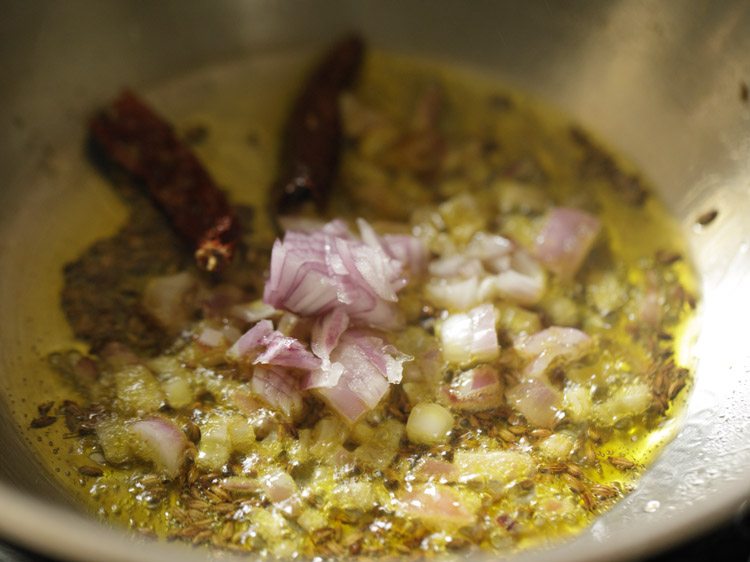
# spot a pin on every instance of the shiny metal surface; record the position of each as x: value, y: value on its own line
x: 660, y: 81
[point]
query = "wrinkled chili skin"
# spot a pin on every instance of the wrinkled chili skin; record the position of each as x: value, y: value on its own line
x: 312, y: 138
x: 135, y: 138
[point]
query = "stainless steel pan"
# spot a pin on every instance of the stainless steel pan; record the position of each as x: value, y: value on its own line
x: 660, y: 80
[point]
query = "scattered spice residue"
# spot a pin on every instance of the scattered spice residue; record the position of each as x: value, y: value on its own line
x: 707, y: 218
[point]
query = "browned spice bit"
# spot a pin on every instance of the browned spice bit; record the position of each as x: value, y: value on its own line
x: 589, y: 502
x: 518, y: 429
x: 621, y: 463
x: 594, y: 435
x: 88, y: 470
x: 42, y: 421
x: 575, y: 471
x: 558, y: 468
x: 588, y: 454
x: 506, y: 522
x: 707, y: 218
x: 196, y: 134
x: 744, y: 92
x: 540, y: 433
x: 506, y: 435
x: 133, y: 136
x: 203, y: 536
x: 192, y: 432
x: 667, y: 257
x: 312, y: 140
x: 45, y: 408
x: 501, y: 102
x: 576, y: 485
x: 675, y: 388
x: 604, y: 492
x: 526, y: 484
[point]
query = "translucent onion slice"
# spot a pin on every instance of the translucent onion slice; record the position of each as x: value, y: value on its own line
x: 471, y: 336
x: 565, y: 240
x: 160, y: 441
x: 550, y: 346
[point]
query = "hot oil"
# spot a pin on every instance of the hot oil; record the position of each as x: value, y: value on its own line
x: 240, y: 109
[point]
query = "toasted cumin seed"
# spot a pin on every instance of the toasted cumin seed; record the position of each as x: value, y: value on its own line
x: 506, y: 435
x: 224, y: 508
x: 221, y: 493
x: 197, y: 504
x: 195, y: 514
x: 88, y: 470
x: 45, y: 408
x: 588, y: 500
x: 150, y: 481
x: 518, y: 429
x: 594, y: 435
x: 575, y: 484
x: 667, y: 257
x: 540, y: 433
x: 558, y: 468
x: 621, y: 463
x: 193, y: 432
x: 43, y: 421
x: 589, y: 454
x: 602, y: 491
x: 704, y: 219
x: 202, y: 537
x: 227, y: 531
x: 675, y: 388
x: 575, y: 471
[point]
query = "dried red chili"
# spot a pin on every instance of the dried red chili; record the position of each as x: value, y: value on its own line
x: 135, y: 138
x: 312, y: 140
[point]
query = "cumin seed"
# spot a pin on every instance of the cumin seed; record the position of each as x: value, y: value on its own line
x: 92, y: 471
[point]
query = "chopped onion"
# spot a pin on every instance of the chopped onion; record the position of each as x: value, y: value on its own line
x: 326, y: 332
x: 475, y: 390
x: 251, y: 340
x: 550, y: 346
x: 279, y: 486
x: 456, y: 265
x: 277, y: 388
x: 454, y: 295
x: 488, y: 247
x: 167, y: 299
x: 437, y: 506
x: 523, y: 282
x: 160, y: 441
x: 367, y: 365
x: 497, y: 467
x: 252, y: 312
x: 284, y: 351
x: 566, y: 239
x: 211, y: 337
x: 537, y: 401
x: 409, y: 250
x: 436, y: 469
x: 266, y: 346
x: 557, y: 447
x: 429, y: 424
x: 217, y: 301
x: 314, y: 272
x: 470, y: 337
x: 118, y: 356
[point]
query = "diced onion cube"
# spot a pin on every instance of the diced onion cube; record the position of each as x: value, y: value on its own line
x: 429, y: 424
